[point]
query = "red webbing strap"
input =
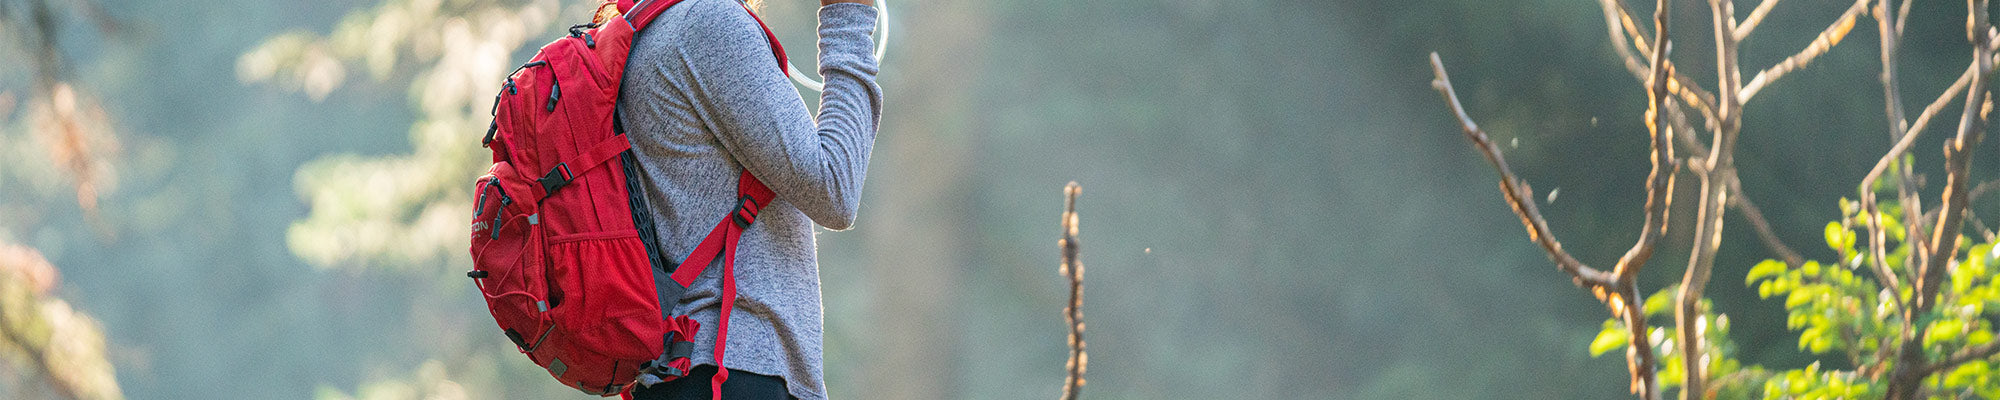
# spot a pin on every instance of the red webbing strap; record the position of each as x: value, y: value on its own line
x: 597, y: 155
x: 752, y: 196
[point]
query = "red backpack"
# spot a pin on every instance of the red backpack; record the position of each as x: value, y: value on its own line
x: 563, y: 246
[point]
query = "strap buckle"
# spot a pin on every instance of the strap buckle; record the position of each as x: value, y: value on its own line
x: 555, y: 179
x: 745, y: 212
x: 676, y: 348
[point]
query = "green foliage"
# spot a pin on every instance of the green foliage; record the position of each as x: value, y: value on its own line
x: 40, y: 334
x: 405, y: 213
x: 1841, y: 310
x: 403, y: 210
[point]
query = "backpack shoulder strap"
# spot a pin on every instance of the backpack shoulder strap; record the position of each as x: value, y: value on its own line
x: 641, y: 13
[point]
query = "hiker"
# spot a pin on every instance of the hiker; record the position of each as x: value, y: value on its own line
x: 703, y: 102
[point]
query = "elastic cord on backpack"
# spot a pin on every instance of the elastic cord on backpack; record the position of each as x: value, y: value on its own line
x: 881, y: 48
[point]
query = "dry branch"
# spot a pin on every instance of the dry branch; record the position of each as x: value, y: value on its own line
x: 1751, y: 213
x: 1878, y: 238
x: 1958, y: 161
x: 1617, y: 290
x: 1716, y: 172
x: 1073, y: 311
x: 1911, y: 364
x: 1518, y: 194
x: 1893, y: 105
x: 1749, y: 23
x: 1619, y: 23
x: 1819, y: 46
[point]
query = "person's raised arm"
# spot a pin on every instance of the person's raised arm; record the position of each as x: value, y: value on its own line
x: 816, y: 163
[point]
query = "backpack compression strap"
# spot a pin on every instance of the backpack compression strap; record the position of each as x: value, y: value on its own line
x: 751, y: 198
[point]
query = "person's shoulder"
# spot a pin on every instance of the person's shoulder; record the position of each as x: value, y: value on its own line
x: 697, y: 27
x: 719, y: 18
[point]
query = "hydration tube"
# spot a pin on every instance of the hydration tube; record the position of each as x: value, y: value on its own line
x: 881, y: 48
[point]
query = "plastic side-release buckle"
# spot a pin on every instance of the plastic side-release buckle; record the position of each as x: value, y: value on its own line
x: 555, y: 179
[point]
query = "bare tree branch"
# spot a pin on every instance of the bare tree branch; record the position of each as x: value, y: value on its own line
x: 1751, y: 213
x: 1819, y: 46
x: 1517, y: 192
x: 1618, y: 292
x: 1756, y: 16
x: 1619, y: 24
x: 1911, y: 364
x: 1902, y: 17
x: 1979, y: 226
x: 1755, y: 217
x: 1072, y: 268
x: 1958, y: 161
x: 1661, y: 180
x: 1981, y: 190
x: 1962, y: 356
x: 1878, y: 237
x: 1716, y: 172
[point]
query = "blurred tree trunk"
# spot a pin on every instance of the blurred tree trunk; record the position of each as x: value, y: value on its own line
x: 917, y: 229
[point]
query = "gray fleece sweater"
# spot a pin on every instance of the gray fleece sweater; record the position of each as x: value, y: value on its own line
x: 702, y: 100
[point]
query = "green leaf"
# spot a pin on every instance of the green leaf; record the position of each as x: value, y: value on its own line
x: 1768, y: 268
x: 1978, y: 338
x: 1798, y: 298
x: 1612, y: 337
x: 1660, y: 302
x: 1943, y: 330
x: 1966, y: 374
x: 1838, y: 237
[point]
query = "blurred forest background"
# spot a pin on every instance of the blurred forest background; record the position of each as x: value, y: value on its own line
x: 260, y: 199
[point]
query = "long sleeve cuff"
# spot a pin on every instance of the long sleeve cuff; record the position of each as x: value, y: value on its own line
x: 845, y: 31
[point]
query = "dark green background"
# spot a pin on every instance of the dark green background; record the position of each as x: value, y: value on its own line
x: 1276, y: 203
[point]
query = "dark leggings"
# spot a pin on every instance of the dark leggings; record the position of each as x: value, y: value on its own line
x: 740, y: 386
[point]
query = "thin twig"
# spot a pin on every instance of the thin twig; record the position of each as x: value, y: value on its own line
x: 1978, y: 226
x: 1618, y: 20
x: 1618, y: 293
x: 1911, y: 364
x: 1763, y: 228
x: 1958, y: 161
x: 1962, y: 356
x: 1981, y: 190
x: 1751, y: 213
x: 1072, y: 268
x: 1819, y: 46
x: 1878, y: 237
x: 1660, y: 181
x: 1517, y: 192
x: 1911, y: 132
x: 1902, y: 17
x: 1756, y: 16
x: 1716, y: 171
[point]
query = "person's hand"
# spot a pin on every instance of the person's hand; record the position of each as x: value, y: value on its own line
x: 824, y: 3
